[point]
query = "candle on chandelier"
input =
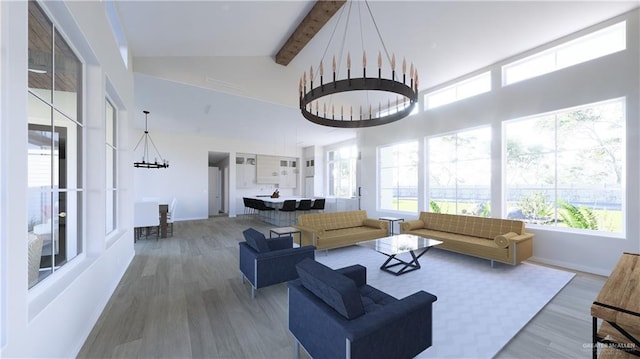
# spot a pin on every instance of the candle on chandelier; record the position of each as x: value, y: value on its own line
x: 349, y: 65
x: 411, y: 72
x: 334, y: 70
x: 364, y: 64
x: 379, y: 64
x: 404, y: 69
x: 393, y: 66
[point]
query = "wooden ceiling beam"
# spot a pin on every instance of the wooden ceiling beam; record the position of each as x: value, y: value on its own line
x: 317, y: 17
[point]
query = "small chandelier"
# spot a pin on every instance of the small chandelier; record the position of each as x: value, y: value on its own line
x: 405, y: 95
x: 146, y: 160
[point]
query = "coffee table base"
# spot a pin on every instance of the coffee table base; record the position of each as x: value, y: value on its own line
x: 414, y: 264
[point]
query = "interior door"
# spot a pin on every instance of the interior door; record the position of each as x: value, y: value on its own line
x: 308, y: 187
x: 214, y: 191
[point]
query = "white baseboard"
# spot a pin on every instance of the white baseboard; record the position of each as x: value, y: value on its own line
x: 572, y: 266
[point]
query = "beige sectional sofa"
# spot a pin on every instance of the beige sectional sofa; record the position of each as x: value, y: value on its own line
x: 501, y: 240
x: 339, y: 229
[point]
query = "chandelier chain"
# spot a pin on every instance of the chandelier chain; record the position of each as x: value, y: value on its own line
x: 384, y: 47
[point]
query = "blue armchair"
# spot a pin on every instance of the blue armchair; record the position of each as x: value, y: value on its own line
x: 265, y: 262
x: 335, y: 314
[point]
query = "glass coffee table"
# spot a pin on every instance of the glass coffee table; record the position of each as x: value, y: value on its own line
x: 393, y: 245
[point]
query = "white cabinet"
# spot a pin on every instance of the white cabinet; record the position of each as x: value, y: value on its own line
x: 282, y: 171
x: 310, y: 168
x: 268, y: 169
x: 245, y: 170
x: 288, y: 173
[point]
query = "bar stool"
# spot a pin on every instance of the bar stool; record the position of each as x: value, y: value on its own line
x: 304, y: 205
x: 318, y: 205
x: 288, y: 206
x: 262, y: 207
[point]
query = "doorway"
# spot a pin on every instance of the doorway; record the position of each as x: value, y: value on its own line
x: 218, y: 191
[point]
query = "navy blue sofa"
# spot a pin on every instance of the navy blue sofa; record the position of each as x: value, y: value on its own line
x: 266, y: 262
x: 335, y: 314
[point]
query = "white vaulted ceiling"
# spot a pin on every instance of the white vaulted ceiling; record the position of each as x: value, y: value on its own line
x: 224, y: 51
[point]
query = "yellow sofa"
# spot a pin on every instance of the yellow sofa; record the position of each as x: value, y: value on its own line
x: 339, y: 229
x: 501, y: 240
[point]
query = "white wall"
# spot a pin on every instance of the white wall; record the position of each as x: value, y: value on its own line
x: 613, y: 76
x: 54, y: 317
x: 186, y: 177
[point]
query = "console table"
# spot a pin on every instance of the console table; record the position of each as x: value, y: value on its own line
x: 618, y: 306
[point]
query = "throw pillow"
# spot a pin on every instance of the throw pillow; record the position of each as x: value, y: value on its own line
x: 336, y: 290
x: 256, y: 240
x: 502, y: 241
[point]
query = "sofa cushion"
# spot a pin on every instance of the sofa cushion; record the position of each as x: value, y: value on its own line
x: 256, y: 240
x: 415, y: 224
x: 483, y: 227
x: 375, y: 223
x: 336, y: 290
x: 374, y: 299
x: 335, y: 220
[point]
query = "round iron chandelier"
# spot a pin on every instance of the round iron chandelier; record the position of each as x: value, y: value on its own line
x: 401, y: 92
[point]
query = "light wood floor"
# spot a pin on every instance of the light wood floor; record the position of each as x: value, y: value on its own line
x: 182, y: 297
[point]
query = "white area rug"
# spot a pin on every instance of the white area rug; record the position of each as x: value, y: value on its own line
x: 479, y: 308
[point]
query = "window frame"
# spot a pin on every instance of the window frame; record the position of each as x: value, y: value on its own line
x: 352, y: 164
x: 113, y: 148
x: 456, y: 87
x: 69, y: 200
x: 456, y: 160
x: 623, y: 189
x: 555, y: 50
x: 397, y: 167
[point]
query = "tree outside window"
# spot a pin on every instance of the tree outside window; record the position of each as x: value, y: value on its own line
x: 460, y: 173
x: 398, y: 171
x: 565, y: 169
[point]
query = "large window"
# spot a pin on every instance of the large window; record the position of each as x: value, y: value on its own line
x: 460, y: 173
x: 398, y: 171
x: 54, y: 158
x: 566, y: 168
x: 341, y: 164
x: 111, y: 192
x: 464, y: 89
x: 597, y: 44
